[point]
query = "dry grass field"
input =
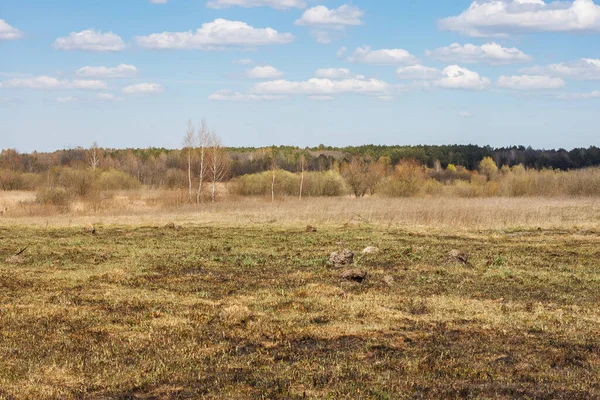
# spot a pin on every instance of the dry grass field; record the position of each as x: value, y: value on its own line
x: 238, y: 301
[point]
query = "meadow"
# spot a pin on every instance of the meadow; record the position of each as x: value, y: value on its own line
x: 238, y: 300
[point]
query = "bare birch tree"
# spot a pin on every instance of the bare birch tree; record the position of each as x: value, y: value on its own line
x: 188, y: 144
x: 218, y: 163
x: 273, y: 170
x: 302, y: 168
x: 94, y: 160
x: 202, y: 141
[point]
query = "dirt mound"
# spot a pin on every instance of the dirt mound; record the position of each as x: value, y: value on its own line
x: 370, y: 250
x: 310, y: 228
x: 340, y: 258
x: 355, y: 275
x: 457, y: 256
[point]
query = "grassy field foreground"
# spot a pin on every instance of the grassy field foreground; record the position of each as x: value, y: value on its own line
x: 256, y: 312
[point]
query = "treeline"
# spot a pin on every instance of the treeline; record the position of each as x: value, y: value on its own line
x: 162, y: 167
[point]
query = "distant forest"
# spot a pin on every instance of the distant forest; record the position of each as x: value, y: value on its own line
x: 144, y: 163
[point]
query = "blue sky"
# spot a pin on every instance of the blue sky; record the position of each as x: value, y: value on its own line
x: 299, y: 72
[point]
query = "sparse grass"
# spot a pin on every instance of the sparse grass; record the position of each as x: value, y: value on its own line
x: 240, y: 303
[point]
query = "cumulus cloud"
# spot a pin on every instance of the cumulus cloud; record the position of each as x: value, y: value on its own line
x: 580, y: 96
x: 90, y: 40
x: 502, y: 17
x: 230, y: 95
x: 121, y: 71
x: 339, y: 17
x: 49, y: 83
x: 584, y: 69
x: 451, y: 77
x: 366, y: 55
x: 220, y: 33
x: 322, y: 86
x: 276, y: 4
x: 264, y: 72
x: 491, y: 53
x: 327, y: 24
x: 333, y: 73
x: 461, y: 78
x: 529, y: 82
x: 7, y: 32
x: 143, y: 88
x: 418, y: 72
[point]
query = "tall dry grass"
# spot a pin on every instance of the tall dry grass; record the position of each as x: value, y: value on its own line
x: 151, y: 207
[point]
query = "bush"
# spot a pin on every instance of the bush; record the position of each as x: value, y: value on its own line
x: 11, y: 180
x: 117, y: 180
x: 406, y: 181
x: 54, y: 197
x: 328, y: 183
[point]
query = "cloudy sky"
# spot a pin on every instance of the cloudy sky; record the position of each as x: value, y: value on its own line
x: 299, y: 72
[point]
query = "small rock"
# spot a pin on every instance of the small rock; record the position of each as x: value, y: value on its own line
x: 170, y: 225
x: 344, y: 257
x: 310, y: 228
x: 370, y: 250
x: 389, y: 280
x: 355, y: 275
x: 458, y: 256
x: 89, y: 228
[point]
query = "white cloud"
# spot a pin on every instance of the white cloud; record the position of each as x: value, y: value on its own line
x: 580, y: 96
x: 333, y: 73
x: 90, y: 40
x: 158, y: 1
x: 107, y: 97
x: 121, y: 71
x: 321, y: 86
x: 67, y: 99
x: 49, y: 83
x: 584, y: 69
x: 341, y: 53
x: 143, y: 88
x: 215, y: 35
x: 277, y: 4
x: 418, y: 72
x: 461, y: 78
x: 529, y: 82
x: 328, y: 24
x: 451, y: 77
x: 491, y: 53
x: 7, y: 32
x: 264, y: 72
x: 335, y: 18
x: 386, y: 98
x: 502, y: 17
x: 366, y: 55
x: 465, y: 114
x: 230, y: 95
x: 244, y: 61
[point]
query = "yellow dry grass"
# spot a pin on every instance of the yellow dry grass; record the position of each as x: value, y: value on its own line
x: 160, y: 207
